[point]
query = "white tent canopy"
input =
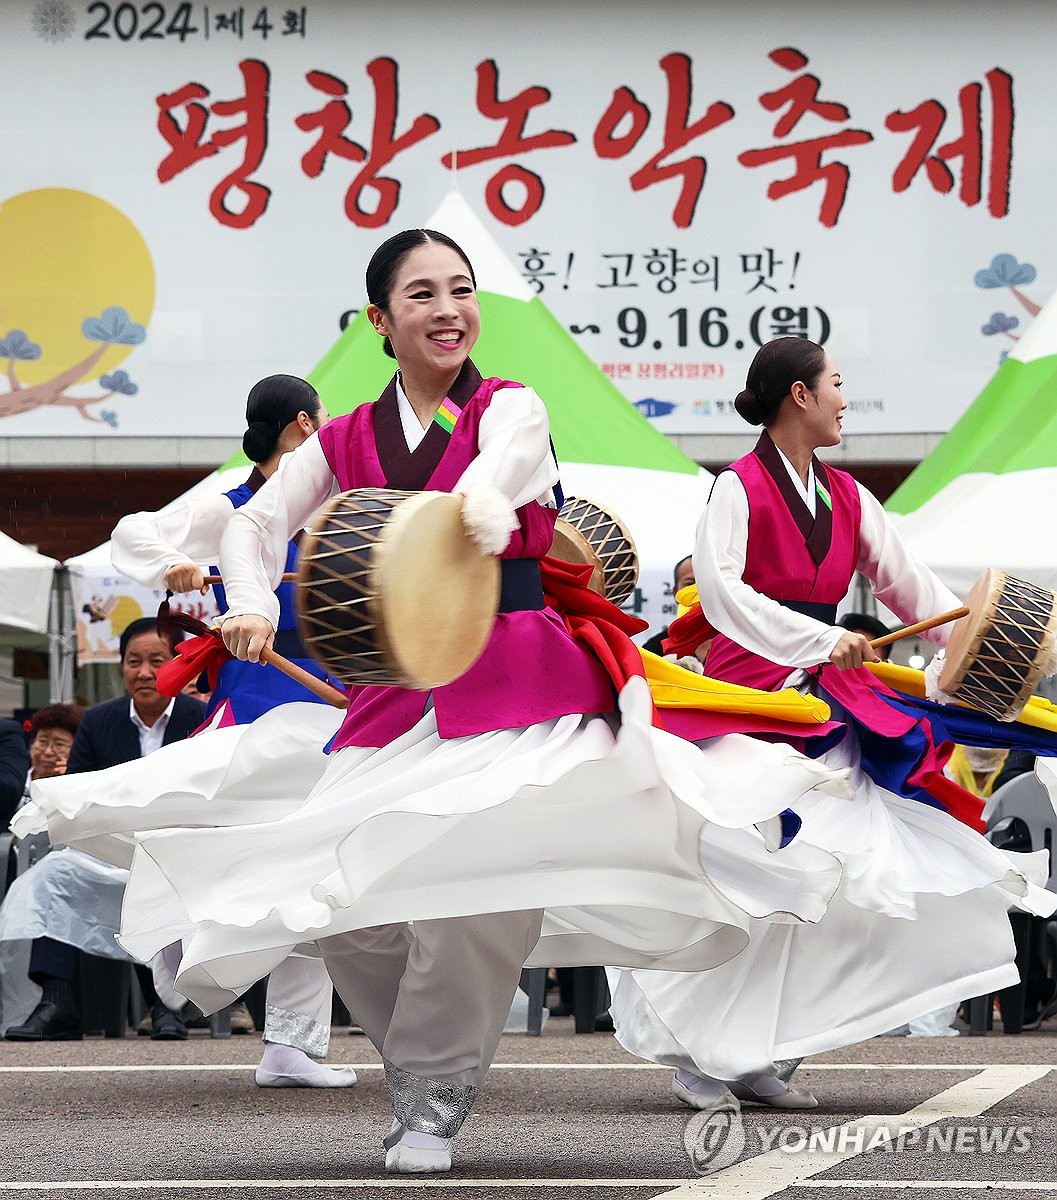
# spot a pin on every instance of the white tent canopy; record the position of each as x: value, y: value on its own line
x: 660, y: 509
x: 982, y: 498
x: 26, y: 579
x: 31, y: 587
x: 980, y: 521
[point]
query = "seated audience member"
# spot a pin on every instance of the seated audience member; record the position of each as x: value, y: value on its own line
x: 983, y: 770
x: 976, y: 768
x: 14, y: 765
x: 68, y: 901
x: 682, y: 576
x: 1017, y: 762
x: 51, y: 730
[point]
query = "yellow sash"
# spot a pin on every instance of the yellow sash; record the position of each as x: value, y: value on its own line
x: 675, y: 687
x: 1038, y: 712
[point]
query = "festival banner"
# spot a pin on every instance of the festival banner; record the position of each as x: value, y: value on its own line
x: 192, y: 190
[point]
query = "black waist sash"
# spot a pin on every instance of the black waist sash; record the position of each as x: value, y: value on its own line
x: 826, y: 613
x: 288, y: 643
x: 521, y: 585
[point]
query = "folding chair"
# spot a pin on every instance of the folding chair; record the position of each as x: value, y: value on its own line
x: 1025, y: 801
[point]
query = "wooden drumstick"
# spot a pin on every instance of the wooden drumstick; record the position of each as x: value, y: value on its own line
x: 170, y: 623
x: 920, y: 627
x: 289, y: 577
x: 323, y: 690
x: 274, y: 659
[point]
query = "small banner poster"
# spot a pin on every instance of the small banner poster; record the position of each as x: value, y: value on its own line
x: 106, y: 602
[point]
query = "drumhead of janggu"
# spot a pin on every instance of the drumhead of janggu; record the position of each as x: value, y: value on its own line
x: 968, y: 631
x: 438, y: 592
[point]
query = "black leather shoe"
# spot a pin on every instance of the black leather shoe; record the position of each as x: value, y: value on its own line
x: 167, y: 1025
x: 47, y: 1023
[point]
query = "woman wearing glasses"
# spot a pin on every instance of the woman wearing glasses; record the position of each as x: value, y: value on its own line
x: 51, y: 730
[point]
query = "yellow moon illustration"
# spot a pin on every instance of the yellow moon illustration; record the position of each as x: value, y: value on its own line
x: 124, y: 612
x: 69, y: 255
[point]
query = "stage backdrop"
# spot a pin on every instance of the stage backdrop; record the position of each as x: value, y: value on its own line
x: 191, y: 192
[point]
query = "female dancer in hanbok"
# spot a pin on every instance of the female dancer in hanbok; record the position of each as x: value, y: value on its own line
x: 166, y: 549
x: 920, y: 919
x: 421, y: 853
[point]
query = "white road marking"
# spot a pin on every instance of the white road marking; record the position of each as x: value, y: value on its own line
x: 252, y: 1185
x: 632, y: 1066
x: 901, y: 1185
x: 249, y: 1185
x: 768, y: 1174
x: 373, y: 1066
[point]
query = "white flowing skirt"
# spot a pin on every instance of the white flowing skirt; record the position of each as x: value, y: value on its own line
x: 920, y: 920
x: 246, y: 842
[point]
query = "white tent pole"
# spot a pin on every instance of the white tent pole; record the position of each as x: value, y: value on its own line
x: 61, y: 630
x: 54, y: 639
x: 69, y: 638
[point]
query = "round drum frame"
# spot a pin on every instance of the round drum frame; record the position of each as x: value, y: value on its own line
x: 593, y: 535
x: 996, y: 654
x: 392, y: 590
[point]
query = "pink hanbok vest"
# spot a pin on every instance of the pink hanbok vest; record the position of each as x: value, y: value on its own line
x: 807, y: 563
x: 531, y: 669
x: 803, y: 561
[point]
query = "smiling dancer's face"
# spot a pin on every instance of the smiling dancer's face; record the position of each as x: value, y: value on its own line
x: 432, y: 318
x: 824, y: 409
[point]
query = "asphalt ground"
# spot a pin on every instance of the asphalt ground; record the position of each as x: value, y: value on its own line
x: 563, y: 1116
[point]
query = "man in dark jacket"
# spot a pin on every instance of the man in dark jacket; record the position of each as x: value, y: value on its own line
x: 14, y: 767
x: 113, y: 732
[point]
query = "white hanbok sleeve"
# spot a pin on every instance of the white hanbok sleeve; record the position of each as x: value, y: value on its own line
x: 514, y: 466
x: 145, y: 544
x: 746, y: 616
x: 254, y: 544
x: 900, y: 581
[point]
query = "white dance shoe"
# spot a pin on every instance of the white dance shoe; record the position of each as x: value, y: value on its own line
x: 703, y: 1093
x: 411, y: 1153
x: 324, y: 1077
x: 288, y: 1067
x: 772, y: 1093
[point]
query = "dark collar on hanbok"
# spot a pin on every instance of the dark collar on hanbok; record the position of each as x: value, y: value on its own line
x: 410, y: 470
x: 256, y: 480
x: 817, y: 529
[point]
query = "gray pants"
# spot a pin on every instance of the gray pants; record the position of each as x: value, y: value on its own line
x: 433, y: 997
x: 298, y: 1005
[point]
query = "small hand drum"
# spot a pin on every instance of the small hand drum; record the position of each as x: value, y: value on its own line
x: 391, y: 589
x: 591, y: 535
x: 998, y: 653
